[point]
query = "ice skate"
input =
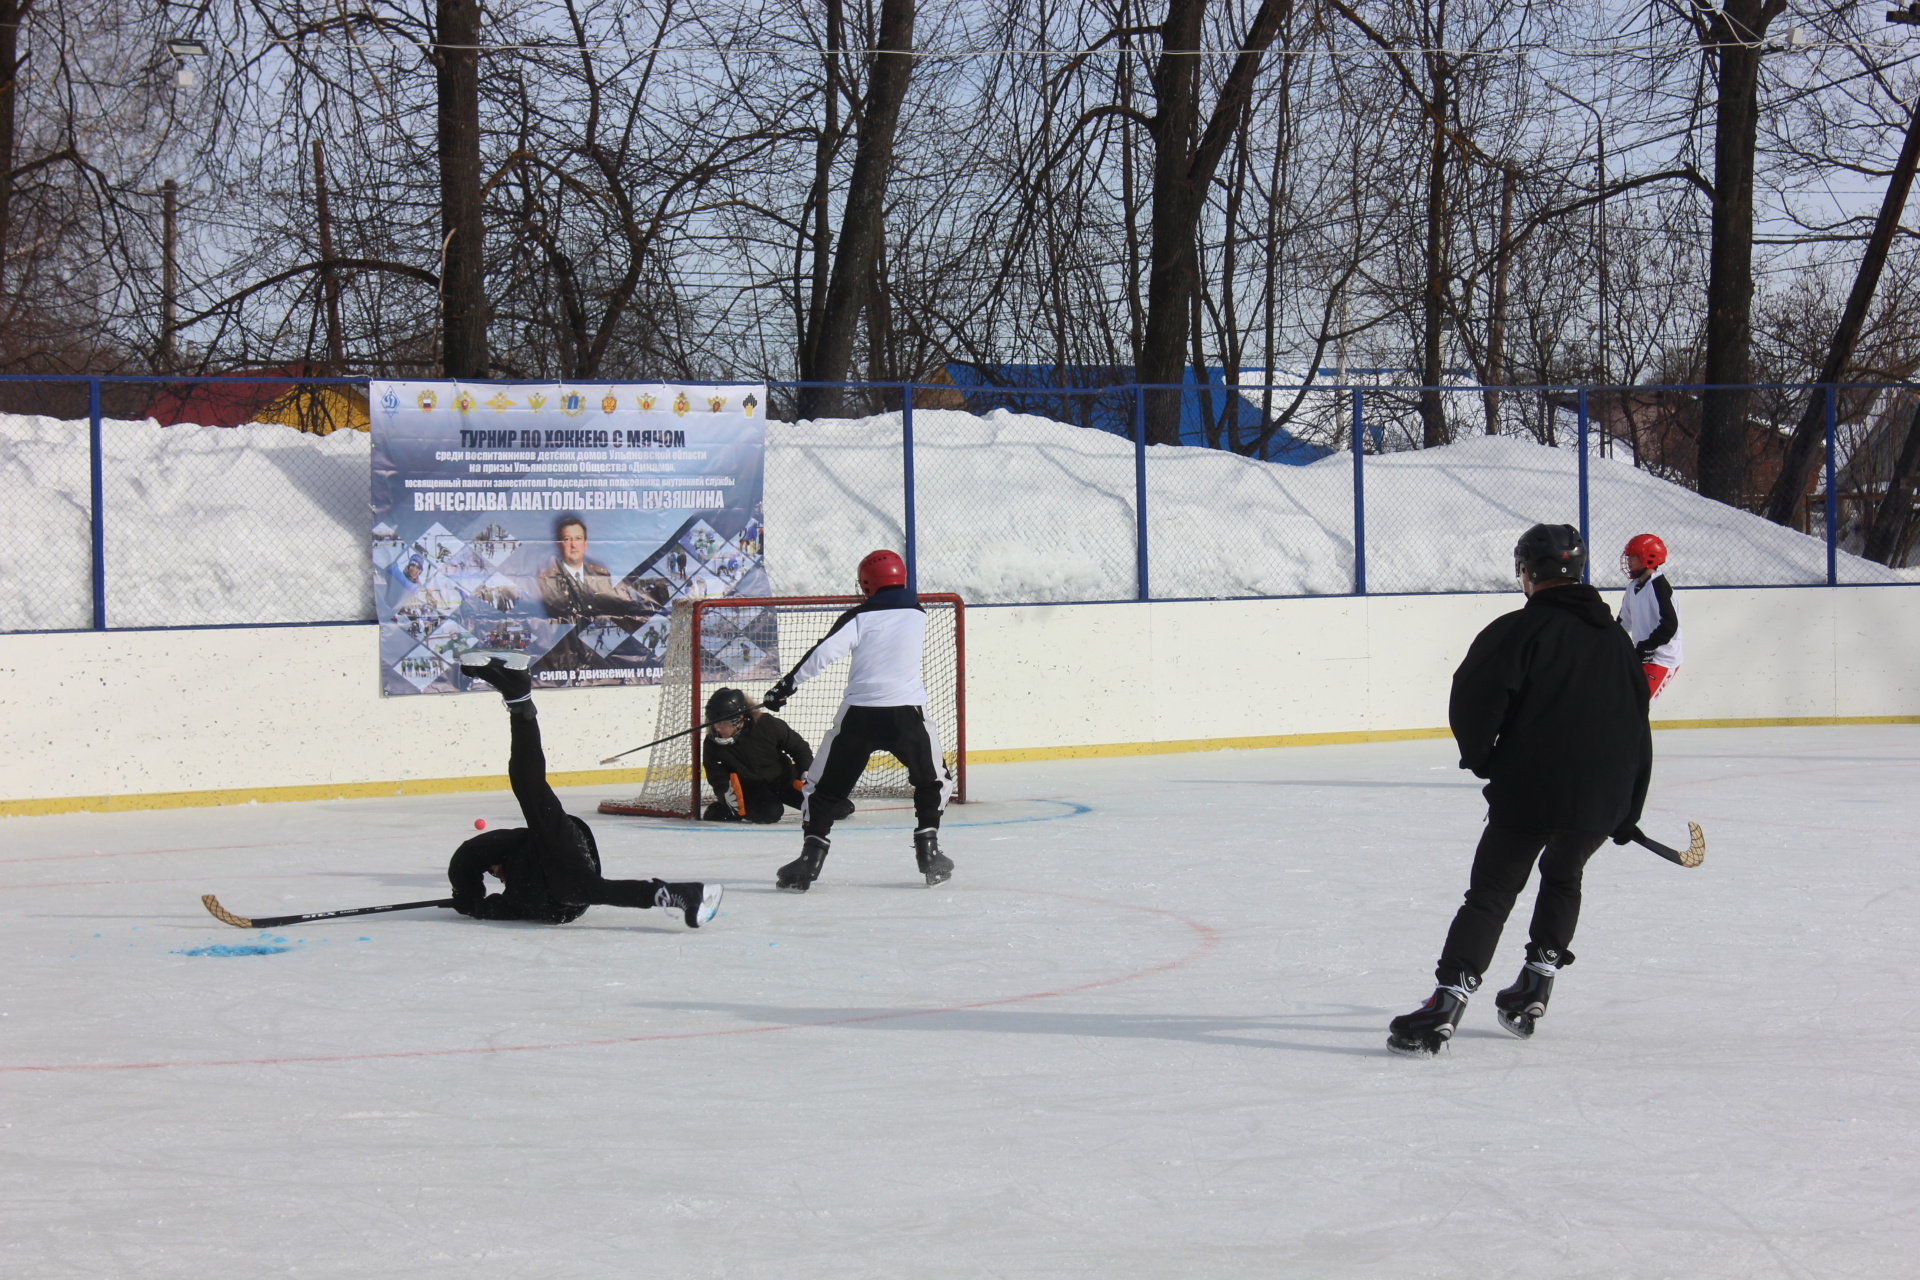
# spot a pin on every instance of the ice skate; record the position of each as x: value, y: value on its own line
x: 1423, y: 1032
x: 1523, y: 1003
x: 799, y: 875
x: 936, y: 866
x: 697, y: 902
x: 506, y: 672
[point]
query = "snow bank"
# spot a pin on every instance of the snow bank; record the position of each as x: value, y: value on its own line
x: 1012, y: 508
x: 263, y: 523
x: 249, y: 524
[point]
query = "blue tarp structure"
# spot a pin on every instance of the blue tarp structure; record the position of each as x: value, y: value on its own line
x: 1101, y: 397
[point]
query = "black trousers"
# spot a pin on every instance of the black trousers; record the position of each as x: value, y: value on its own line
x: 558, y: 843
x: 766, y: 801
x: 856, y: 734
x: 1500, y: 867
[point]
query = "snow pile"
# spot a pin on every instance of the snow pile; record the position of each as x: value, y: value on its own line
x: 263, y: 523
x: 1011, y: 508
x: 249, y: 524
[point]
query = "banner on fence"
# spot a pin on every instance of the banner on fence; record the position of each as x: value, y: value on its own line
x: 562, y: 521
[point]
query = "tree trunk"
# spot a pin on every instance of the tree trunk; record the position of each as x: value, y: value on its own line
x: 826, y: 147
x: 1896, y: 507
x: 1496, y: 371
x: 861, y: 220
x: 463, y: 294
x: 1737, y: 29
x: 329, y: 278
x: 169, y: 227
x: 1810, y: 432
x: 1181, y: 172
x: 11, y: 12
x: 1433, y: 418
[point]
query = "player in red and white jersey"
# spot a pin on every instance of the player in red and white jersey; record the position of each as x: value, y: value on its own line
x: 883, y: 709
x: 1647, y: 612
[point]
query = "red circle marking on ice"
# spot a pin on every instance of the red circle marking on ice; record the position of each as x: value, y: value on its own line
x: 1209, y: 939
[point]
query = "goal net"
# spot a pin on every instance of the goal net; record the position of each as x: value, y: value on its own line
x: 747, y: 645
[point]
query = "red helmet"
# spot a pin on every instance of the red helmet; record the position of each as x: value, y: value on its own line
x: 1644, y: 551
x: 882, y: 569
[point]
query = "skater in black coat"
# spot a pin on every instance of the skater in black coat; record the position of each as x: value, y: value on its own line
x: 1550, y: 707
x: 549, y: 869
x: 753, y: 761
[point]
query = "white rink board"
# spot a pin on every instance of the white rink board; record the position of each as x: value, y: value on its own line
x: 1140, y: 1034
x: 139, y: 713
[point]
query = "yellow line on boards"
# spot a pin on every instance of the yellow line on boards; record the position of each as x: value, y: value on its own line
x: 622, y: 777
x: 317, y: 791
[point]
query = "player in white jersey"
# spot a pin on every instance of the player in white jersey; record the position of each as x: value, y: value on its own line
x: 883, y: 709
x: 1646, y: 610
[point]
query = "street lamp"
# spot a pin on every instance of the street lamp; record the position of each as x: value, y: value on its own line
x: 184, y: 47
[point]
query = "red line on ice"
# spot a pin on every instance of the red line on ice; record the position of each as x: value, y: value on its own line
x: 1209, y: 939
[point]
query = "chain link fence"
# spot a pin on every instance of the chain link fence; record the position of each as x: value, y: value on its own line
x: 244, y: 501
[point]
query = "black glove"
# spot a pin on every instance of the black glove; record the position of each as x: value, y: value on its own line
x: 776, y: 697
x: 1644, y: 651
x: 467, y: 904
x: 1627, y: 832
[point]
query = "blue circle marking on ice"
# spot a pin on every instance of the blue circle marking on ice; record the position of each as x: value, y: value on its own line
x: 245, y: 949
x: 1056, y: 810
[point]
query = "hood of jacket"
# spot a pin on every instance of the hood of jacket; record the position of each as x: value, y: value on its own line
x: 1580, y: 599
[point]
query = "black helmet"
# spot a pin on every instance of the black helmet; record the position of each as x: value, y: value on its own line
x: 1549, y: 551
x: 725, y: 704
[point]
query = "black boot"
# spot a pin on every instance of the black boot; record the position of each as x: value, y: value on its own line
x: 1427, y: 1028
x: 800, y: 874
x: 506, y: 672
x: 936, y: 866
x: 697, y: 902
x: 1519, y: 1005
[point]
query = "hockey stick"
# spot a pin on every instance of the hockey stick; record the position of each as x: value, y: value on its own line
x: 1694, y: 855
x: 751, y: 706
x: 212, y: 904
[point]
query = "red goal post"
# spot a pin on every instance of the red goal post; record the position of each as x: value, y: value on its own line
x: 749, y: 643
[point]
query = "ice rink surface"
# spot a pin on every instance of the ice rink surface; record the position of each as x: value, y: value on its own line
x: 1141, y: 1033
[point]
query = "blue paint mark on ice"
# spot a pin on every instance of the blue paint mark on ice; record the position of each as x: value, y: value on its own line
x: 246, y: 949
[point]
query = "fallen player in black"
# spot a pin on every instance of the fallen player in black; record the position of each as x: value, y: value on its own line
x: 550, y: 869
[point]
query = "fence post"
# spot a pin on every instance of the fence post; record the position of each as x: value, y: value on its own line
x: 1586, y: 539
x: 1359, y: 497
x: 99, y: 522
x: 1140, y: 494
x: 906, y: 453
x: 1833, y: 499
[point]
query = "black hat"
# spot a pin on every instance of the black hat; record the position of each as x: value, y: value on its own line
x: 1550, y: 551
x: 725, y: 704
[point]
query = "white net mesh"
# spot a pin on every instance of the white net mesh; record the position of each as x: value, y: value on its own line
x: 747, y: 645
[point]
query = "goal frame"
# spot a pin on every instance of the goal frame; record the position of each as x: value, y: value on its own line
x: 696, y: 701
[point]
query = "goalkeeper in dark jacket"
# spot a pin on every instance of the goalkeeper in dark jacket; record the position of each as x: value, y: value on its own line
x: 754, y: 761
x: 549, y: 869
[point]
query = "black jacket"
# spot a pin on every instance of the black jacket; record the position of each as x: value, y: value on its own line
x: 1550, y: 706
x: 514, y: 851
x: 766, y: 752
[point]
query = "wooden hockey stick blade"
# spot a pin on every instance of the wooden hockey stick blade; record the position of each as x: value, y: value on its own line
x: 223, y: 915
x: 1696, y: 851
x: 212, y: 904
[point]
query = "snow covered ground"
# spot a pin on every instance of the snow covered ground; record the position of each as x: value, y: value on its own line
x: 1139, y: 1035
x: 261, y: 523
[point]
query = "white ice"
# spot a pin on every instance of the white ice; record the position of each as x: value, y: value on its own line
x: 1140, y: 1034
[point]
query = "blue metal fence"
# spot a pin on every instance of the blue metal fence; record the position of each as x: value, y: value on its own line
x: 1423, y: 503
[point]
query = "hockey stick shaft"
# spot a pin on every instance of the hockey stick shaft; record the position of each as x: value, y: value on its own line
x: 751, y: 706
x: 1695, y: 854
x: 212, y: 904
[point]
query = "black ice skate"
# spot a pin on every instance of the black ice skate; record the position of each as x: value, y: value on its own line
x: 936, y: 866
x: 506, y: 672
x: 1519, y: 1005
x: 697, y: 902
x: 800, y: 874
x: 1423, y: 1032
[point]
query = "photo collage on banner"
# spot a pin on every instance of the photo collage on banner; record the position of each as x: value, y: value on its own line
x: 558, y: 521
